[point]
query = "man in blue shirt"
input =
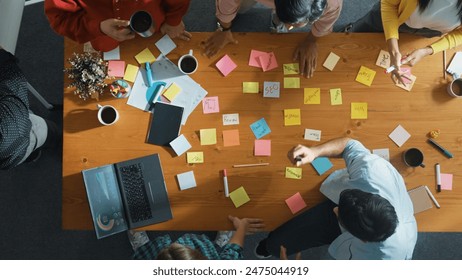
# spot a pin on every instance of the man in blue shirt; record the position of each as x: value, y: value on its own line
x: 369, y: 214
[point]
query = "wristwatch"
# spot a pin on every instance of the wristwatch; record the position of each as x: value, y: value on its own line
x: 221, y: 28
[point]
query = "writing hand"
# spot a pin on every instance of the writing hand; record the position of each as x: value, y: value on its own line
x: 415, y: 56
x: 300, y: 155
x: 116, y: 29
x: 217, y: 41
x: 176, y: 31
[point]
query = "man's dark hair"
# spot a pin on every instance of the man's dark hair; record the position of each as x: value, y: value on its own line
x: 367, y: 216
x: 423, y: 4
x: 295, y: 11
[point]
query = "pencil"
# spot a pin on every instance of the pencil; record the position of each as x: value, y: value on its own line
x: 251, y: 164
x: 444, y: 64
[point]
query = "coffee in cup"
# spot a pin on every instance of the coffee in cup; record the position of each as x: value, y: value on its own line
x: 413, y: 158
x: 455, y: 88
x: 141, y: 22
x: 188, y: 63
x: 107, y: 114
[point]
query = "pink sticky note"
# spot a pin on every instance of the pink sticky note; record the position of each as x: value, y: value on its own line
x: 446, y: 181
x: 116, y: 68
x: 253, y: 60
x: 231, y: 138
x: 268, y: 61
x: 210, y: 105
x: 295, y: 203
x: 225, y: 65
x: 262, y: 147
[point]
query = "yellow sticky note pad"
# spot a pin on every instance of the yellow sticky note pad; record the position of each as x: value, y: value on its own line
x: 130, y: 73
x: 291, y: 82
x: 172, y: 92
x: 365, y: 76
x: 250, y: 87
x: 291, y: 69
x: 239, y: 197
x: 292, y: 117
x: 312, y: 96
x: 293, y: 173
x: 145, y: 56
x: 335, y: 96
x: 195, y: 157
x: 208, y: 136
x: 358, y: 110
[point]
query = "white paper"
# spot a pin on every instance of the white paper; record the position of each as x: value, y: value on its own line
x: 165, y: 45
x: 383, y: 153
x: 455, y: 68
x: 399, y: 135
x: 180, y: 145
x: 186, y: 180
x: 230, y: 119
x: 312, y: 134
x: 112, y: 55
x: 271, y: 89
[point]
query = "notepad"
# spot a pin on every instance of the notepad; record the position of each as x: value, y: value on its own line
x: 321, y: 165
x: 231, y: 138
x: 294, y: 173
x: 186, y: 180
x: 180, y: 145
x: 295, y: 203
x: 455, y: 67
x: 420, y: 199
x: 239, y: 197
x: 165, y: 124
x: 312, y: 96
x: 399, y: 135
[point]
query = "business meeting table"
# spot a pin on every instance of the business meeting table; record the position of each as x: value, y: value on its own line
x: 426, y: 107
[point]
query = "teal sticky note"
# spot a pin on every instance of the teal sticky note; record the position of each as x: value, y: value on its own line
x: 260, y: 128
x: 322, y: 164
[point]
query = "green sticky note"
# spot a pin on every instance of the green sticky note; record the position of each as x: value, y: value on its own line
x: 292, y: 117
x: 208, y: 136
x: 195, y: 157
x: 312, y: 96
x: 292, y: 82
x: 335, y: 96
x: 359, y: 110
x: 293, y: 173
x: 291, y: 69
x: 365, y: 76
x: 250, y: 87
x: 239, y: 197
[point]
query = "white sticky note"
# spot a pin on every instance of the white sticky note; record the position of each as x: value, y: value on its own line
x: 331, y: 61
x: 180, y: 145
x: 399, y: 135
x: 112, y: 55
x: 230, y: 119
x: 186, y: 180
x: 383, y: 153
x: 312, y: 134
x: 165, y: 44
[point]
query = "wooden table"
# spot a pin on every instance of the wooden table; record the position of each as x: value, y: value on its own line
x: 88, y: 144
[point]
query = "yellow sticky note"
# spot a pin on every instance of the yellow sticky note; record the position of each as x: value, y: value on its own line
x: 291, y: 82
x: 250, y: 87
x: 208, y: 136
x: 172, y: 92
x: 331, y: 61
x: 291, y: 69
x: 130, y: 73
x: 335, y: 96
x: 293, y: 173
x: 312, y: 96
x: 292, y: 117
x: 195, y: 157
x: 145, y: 56
x: 239, y: 197
x: 365, y: 76
x: 358, y: 110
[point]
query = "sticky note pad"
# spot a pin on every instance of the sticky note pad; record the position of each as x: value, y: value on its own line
x: 130, y: 73
x: 112, y: 54
x: 260, y: 128
x: 271, y: 89
x: 253, y: 59
x: 312, y: 134
x: 230, y: 119
x: 145, y: 56
x: 399, y: 135
x: 225, y: 65
x: 292, y: 117
x: 335, y: 96
x: 165, y: 44
x: 358, y: 110
x: 250, y: 87
x: 365, y: 76
x: 116, y: 68
x: 268, y: 61
x: 321, y: 165
x: 409, y: 81
x: 208, y: 136
x: 195, y: 157
x: 210, y: 105
x: 293, y: 172
x: 312, y: 96
x: 291, y: 82
x: 331, y: 61
x: 446, y: 181
x: 180, y: 145
x: 186, y: 180
x: 295, y: 203
x: 231, y: 138
x: 291, y: 69
x: 383, y: 60
x: 171, y: 92
x: 262, y: 148
x: 239, y: 197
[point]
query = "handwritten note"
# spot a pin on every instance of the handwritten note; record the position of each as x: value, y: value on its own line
x: 195, y: 157
x: 231, y: 138
x: 358, y: 110
x: 446, y: 181
x: 271, y: 89
x: 145, y: 56
x: 295, y: 203
x: 230, y: 119
x: 262, y: 147
x: 165, y: 44
x: 312, y: 134
x: 331, y: 61
x: 239, y: 197
x: 321, y: 165
x: 180, y: 145
x: 171, y: 92
x: 383, y: 153
x: 312, y: 96
x: 210, y: 105
x: 226, y: 65
x: 254, y: 58
x: 268, y: 61
x: 292, y: 117
x: 292, y: 82
x: 294, y: 173
x: 208, y: 136
x: 335, y: 96
x: 365, y: 76
x: 116, y: 68
x: 260, y: 128
x: 399, y: 135
x: 409, y: 81
x: 130, y: 73
x: 186, y: 180
x: 250, y: 87
x: 383, y: 60
x: 112, y: 54
x: 291, y: 69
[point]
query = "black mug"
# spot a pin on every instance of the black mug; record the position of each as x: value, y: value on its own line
x: 141, y: 22
x: 413, y: 158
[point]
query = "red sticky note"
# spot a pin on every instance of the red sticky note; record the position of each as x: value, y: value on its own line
x: 262, y: 147
x: 446, y: 181
x: 253, y: 60
x: 295, y: 203
x: 226, y: 65
x: 231, y: 138
x: 268, y: 61
x: 116, y: 68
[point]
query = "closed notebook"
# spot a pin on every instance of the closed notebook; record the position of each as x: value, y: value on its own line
x: 420, y: 199
x: 165, y: 124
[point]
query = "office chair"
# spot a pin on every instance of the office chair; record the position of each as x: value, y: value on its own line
x: 10, y: 21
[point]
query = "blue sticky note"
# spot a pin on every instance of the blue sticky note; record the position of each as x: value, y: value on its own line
x: 260, y: 128
x: 321, y: 164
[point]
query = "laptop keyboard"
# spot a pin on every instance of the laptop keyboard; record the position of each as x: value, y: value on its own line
x: 135, y: 192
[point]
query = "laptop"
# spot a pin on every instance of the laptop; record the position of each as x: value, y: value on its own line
x: 127, y: 195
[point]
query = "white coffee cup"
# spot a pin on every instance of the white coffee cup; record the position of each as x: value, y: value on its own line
x: 107, y: 114
x: 188, y: 63
x: 455, y: 88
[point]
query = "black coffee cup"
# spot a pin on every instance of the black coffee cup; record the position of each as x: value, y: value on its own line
x: 141, y: 22
x: 188, y: 63
x: 413, y: 158
x: 107, y: 114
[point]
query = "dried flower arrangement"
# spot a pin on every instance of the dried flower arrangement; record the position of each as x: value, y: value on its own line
x: 88, y: 71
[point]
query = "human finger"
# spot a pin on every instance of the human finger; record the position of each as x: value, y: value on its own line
x: 283, y: 253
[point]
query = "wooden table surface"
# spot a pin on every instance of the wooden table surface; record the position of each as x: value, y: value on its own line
x: 88, y: 144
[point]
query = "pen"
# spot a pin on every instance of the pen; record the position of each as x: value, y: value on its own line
x: 432, y: 197
x: 225, y: 183
x: 438, y: 177
x: 439, y: 147
x: 149, y: 74
x: 390, y: 69
x: 251, y: 164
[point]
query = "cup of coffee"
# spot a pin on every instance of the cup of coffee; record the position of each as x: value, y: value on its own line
x: 107, y: 114
x: 455, y: 88
x: 188, y: 63
x: 141, y: 22
x: 413, y: 158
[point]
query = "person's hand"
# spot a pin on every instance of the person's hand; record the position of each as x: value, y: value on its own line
x: 247, y: 225
x: 178, y: 31
x: 217, y: 41
x: 307, y: 55
x: 300, y: 155
x: 415, y: 56
x: 283, y: 254
x: 117, y: 29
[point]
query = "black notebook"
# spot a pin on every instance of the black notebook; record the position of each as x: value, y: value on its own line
x: 165, y: 124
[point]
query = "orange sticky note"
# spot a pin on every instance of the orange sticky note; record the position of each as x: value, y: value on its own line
x: 231, y: 138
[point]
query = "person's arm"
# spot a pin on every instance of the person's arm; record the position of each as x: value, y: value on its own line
x: 300, y: 154
x: 173, y: 25
x: 389, y: 11
x: 449, y: 41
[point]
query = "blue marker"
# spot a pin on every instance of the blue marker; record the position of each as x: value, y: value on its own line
x: 440, y: 148
x: 149, y: 74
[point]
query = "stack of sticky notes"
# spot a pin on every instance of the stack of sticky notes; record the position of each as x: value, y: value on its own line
x: 399, y: 135
x: 260, y: 128
x: 358, y: 110
x: 130, y: 73
x: 271, y: 89
x: 208, y: 136
x: 116, y: 68
x: 265, y: 61
x: 180, y: 145
x: 195, y: 157
x: 145, y: 56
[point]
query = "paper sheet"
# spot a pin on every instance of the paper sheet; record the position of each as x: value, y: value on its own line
x: 239, y: 197
x: 231, y: 138
x: 186, y: 180
x: 295, y: 203
x: 180, y: 145
x: 294, y: 173
x: 399, y: 135
x: 312, y: 96
x: 262, y: 147
x: 292, y: 117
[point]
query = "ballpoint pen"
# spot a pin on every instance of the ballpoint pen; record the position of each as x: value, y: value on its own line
x: 439, y: 147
